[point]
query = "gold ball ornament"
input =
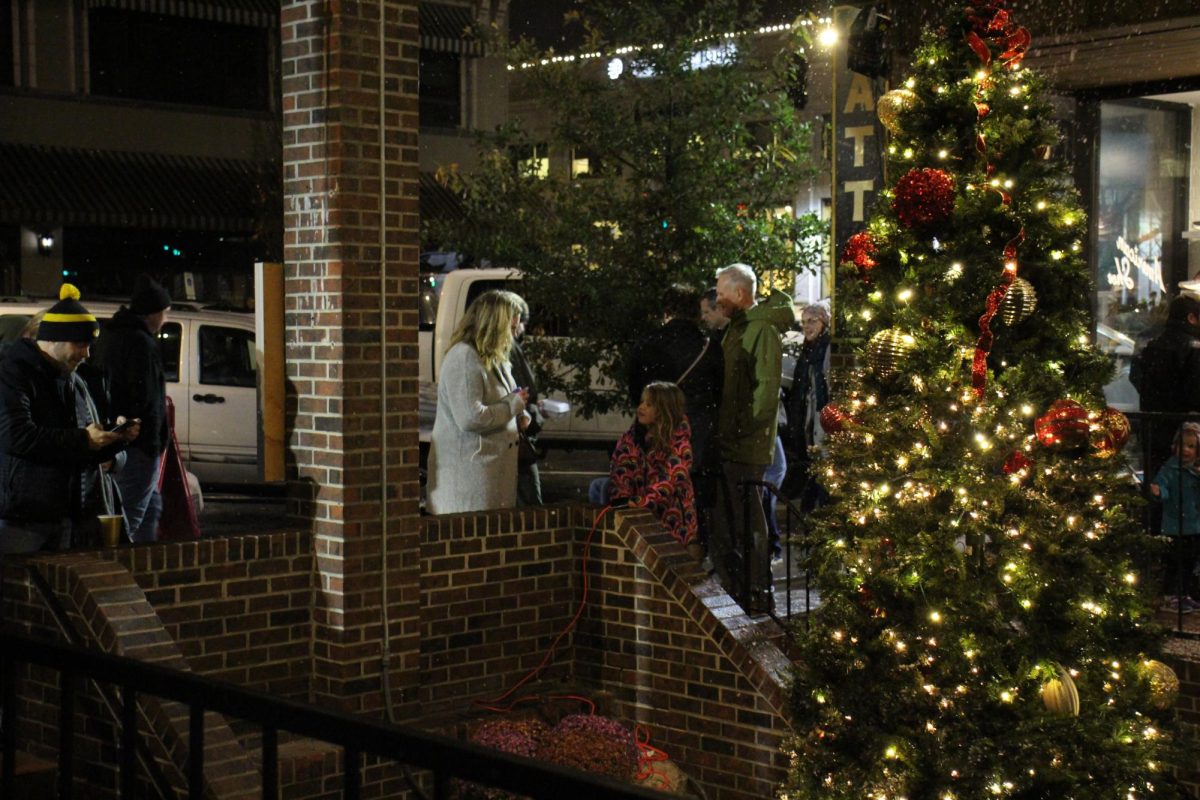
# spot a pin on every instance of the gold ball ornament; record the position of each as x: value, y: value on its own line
x: 1020, y: 301
x: 1164, y: 684
x: 1060, y: 696
x: 888, y: 350
x: 893, y: 105
x: 1110, y: 431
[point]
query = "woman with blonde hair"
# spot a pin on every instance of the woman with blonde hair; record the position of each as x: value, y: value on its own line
x: 473, y: 450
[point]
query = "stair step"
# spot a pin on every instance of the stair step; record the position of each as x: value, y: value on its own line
x: 35, y: 777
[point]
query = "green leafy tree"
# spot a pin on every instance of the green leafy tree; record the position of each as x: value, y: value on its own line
x: 688, y: 166
x: 984, y: 630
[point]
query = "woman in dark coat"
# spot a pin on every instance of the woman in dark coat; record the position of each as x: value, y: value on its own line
x: 809, y: 394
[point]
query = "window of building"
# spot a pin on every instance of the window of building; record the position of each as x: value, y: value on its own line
x: 586, y: 164
x: 440, y: 87
x: 144, y: 56
x: 533, y: 159
x: 7, y: 77
x: 1140, y: 249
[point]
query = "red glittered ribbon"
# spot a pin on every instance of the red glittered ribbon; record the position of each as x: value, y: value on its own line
x: 983, y: 345
x: 992, y: 23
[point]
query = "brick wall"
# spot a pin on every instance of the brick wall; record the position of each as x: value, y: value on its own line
x: 239, y: 609
x: 351, y: 267
x: 99, y: 601
x: 1183, y: 656
x: 495, y: 591
x: 656, y: 633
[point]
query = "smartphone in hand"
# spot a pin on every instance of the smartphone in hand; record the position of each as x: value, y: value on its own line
x: 124, y: 426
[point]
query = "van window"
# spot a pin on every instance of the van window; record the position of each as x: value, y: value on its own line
x: 168, y: 348
x: 227, y: 356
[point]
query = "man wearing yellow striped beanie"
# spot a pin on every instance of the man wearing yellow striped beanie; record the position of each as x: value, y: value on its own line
x: 43, y: 450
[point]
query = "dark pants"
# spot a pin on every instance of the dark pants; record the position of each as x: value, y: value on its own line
x: 1180, y: 562
x: 529, y: 485
x: 728, y: 536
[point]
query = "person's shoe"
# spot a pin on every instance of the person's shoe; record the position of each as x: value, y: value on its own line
x: 760, y: 603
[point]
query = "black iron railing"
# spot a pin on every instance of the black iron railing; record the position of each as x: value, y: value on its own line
x: 794, y: 541
x: 441, y: 757
x: 1153, y: 441
x: 1149, y: 447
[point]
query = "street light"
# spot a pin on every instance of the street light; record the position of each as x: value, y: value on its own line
x: 828, y: 37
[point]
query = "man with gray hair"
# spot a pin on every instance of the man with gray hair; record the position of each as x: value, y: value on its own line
x: 746, y: 429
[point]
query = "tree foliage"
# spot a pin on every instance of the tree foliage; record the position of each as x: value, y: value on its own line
x: 688, y: 167
x: 967, y: 561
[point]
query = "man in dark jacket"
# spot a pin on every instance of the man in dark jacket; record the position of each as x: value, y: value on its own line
x: 127, y: 353
x: 1167, y: 375
x: 681, y: 353
x: 753, y: 352
x: 43, y: 450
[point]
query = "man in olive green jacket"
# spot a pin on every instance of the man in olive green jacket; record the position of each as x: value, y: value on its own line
x: 747, y: 426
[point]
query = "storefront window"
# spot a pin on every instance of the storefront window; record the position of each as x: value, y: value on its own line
x: 1141, y: 253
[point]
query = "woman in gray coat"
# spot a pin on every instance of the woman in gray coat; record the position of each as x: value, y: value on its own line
x: 473, y: 450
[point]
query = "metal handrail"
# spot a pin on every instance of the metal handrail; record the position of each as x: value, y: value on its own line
x: 1150, y: 422
x: 444, y: 757
x: 751, y: 493
x: 118, y: 710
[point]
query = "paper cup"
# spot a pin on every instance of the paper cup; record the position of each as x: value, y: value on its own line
x: 110, y: 529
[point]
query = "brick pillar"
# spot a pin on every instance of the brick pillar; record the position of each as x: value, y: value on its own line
x: 351, y: 319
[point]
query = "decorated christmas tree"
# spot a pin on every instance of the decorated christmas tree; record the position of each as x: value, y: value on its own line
x: 985, y: 628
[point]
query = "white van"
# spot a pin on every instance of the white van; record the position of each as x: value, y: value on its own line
x: 211, y: 372
x: 443, y: 300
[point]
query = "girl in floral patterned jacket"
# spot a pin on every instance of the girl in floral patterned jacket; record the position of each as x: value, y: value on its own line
x: 652, y: 460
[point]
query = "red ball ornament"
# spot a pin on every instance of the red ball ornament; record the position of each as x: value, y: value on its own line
x: 1064, y: 426
x: 924, y: 197
x: 835, y: 420
x: 1016, y: 462
x: 1110, y: 432
x: 860, y: 251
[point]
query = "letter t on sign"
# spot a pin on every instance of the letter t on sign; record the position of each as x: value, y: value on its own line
x: 859, y: 134
x: 859, y: 189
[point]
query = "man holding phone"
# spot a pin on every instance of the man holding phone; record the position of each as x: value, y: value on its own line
x: 127, y: 354
x: 46, y: 449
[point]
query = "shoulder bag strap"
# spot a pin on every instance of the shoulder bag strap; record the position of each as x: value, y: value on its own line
x: 686, y: 372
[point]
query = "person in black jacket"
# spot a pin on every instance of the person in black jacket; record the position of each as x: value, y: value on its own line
x: 681, y: 353
x: 529, y: 479
x: 1167, y: 376
x: 44, y: 449
x: 808, y: 394
x: 127, y: 354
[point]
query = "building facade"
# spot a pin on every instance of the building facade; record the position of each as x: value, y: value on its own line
x: 138, y: 135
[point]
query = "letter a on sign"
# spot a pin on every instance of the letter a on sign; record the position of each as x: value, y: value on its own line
x: 860, y: 97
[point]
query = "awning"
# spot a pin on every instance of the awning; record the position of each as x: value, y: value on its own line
x: 251, y: 13
x: 438, y: 202
x: 448, y: 28
x: 68, y: 186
